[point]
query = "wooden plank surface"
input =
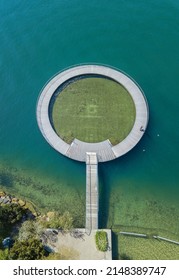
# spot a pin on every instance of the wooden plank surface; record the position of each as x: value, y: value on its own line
x: 91, y: 192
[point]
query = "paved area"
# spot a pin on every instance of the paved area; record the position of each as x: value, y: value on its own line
x: 77, y: 150
x: 77, y: 245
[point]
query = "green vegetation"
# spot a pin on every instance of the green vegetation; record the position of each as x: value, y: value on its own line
x: 137, y: 248
x: 4, y: 254
x: 65, y: 253
x: 101, y: 239
x: 31, y: 249
x: 30, y: 229
x: 56, y: 220
x: 28, y: 244
x: 42, y: 193
x: 93, y: 110
x: 142, y: 211
x: 28, y: 238
x: 147, y: 249
x: 10, y: 214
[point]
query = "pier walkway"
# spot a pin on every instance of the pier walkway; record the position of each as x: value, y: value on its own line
x: 91, y: 192
x: 92, y: 153
x: 103, y: 149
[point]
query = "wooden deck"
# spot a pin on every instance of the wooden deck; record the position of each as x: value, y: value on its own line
x: 91, y: 192
x: 78, y: 149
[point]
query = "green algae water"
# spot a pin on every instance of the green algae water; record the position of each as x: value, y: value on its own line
x: 40, y: 38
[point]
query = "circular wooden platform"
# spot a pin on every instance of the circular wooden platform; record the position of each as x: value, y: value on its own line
x: 105, y: 150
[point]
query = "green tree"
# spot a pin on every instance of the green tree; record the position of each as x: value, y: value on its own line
x: 30, y: 229
x: 31, y: 249
x: 4, y: 254
x: 10, y: 214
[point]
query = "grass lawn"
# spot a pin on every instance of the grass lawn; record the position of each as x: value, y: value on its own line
x: 93, y: 110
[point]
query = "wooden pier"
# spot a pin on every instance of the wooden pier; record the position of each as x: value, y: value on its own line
x: 91, y: 192
x: 93, y: 153
x: 78, y: 149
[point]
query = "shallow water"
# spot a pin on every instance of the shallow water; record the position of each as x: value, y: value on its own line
x: 38, y: 39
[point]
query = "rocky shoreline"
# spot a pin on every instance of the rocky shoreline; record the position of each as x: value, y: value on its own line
x: 7, y: 199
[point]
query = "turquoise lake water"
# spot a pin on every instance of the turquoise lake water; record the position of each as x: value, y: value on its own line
x: 40, y: 38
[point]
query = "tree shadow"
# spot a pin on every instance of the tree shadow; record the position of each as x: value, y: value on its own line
x: 115, y: 242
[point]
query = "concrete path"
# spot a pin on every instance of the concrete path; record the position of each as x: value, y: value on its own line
x: 80, y: 246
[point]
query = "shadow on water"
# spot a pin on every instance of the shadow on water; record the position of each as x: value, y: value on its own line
x: 103, y: 197
x: 115, y: 253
